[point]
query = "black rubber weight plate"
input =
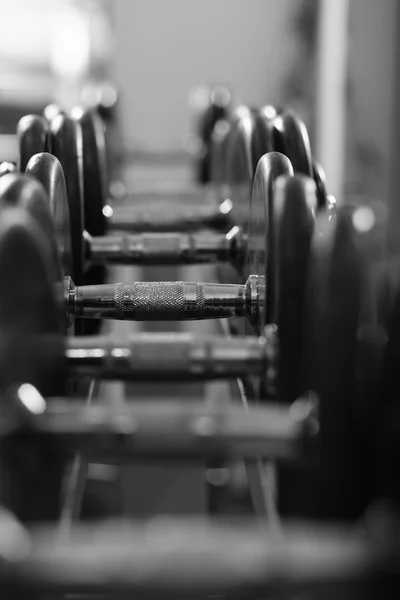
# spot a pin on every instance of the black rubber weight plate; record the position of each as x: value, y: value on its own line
x: 25, y: 192
x: 33, y: 136
x: 67, y: 146
x: 258, y: 260
x: 47, y: 169
x: 291, y: 138
x: 94, y: 172
x: 338, y: 320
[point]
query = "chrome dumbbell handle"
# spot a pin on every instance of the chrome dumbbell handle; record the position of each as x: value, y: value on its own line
x: 163, y: 301
x: 167, y: 355
x: 105, y: 433
x: 166, y: 248
x: 169, y: 217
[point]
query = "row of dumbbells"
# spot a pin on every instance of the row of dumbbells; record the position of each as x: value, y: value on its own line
x: 318, y: 301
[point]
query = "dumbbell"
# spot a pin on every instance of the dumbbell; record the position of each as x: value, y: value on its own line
x: 209, y: 106
x: 35, y: 351
x: 350, y: 240
x: 33, y: 133
x: 237, y: 149
x: 171, y: 300
x: 342, y: 252
x: 37, y: 294
x: 251, y: 135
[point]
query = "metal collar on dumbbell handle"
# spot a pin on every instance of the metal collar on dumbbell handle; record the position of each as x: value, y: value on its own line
x: 174, y: 430
x: 164, y: 356
x: 171, y: 217
x: 163, y: 301
x: 166, y: 248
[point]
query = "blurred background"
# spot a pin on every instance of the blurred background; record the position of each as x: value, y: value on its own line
x: 335, y: 62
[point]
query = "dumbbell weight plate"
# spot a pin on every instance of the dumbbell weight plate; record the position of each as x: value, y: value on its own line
x: 339, y: 327
x: 291, y: 138
x: 250, y: 138
x: 46, y: 169
x: 33, y: 135
x: 26, y: 192
x: 258, y: 259
x: 94, y: 191
x: 28, y: 311
x: 31, y: 351
x: 94, y: 171
x: 293, y: 208
x: 67, y: 146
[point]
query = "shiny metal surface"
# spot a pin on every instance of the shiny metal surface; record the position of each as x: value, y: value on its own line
x: 259, y: 259
x: 7, y: 167
x: 171, y: 430
x: 166, y: 356
x: 162, y: 216
x: 167, y: 248
x: 163, y: 300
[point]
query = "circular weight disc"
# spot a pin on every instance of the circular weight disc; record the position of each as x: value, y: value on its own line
x: 32, y: 338
x: 24, y: 192
x: 33, y: 136
x: 17, y: 190
x: 259, y: 245
x: 293, y: 221
x: 218, y: 149
x: 67, y: 146
x: 238, y: 171
x: 32, y: 352
x: 251, y: 137
x: 338, y: 321
x: 47, y: 169
x: 263, y: 134
x: 95, y: 193
x: 291, y: 138
x: 214, y: 106
x: 94, y: 172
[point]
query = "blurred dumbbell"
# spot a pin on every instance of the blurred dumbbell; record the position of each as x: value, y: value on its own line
x: 329, y: 312
x: 151, y: 248
x: 343, y: 358
x: 208, y: 106
x: 251, y: 135
x: 175, y: 300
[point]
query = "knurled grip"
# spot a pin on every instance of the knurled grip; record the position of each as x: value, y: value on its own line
x: 157, y: 301
x: 148, y: 299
